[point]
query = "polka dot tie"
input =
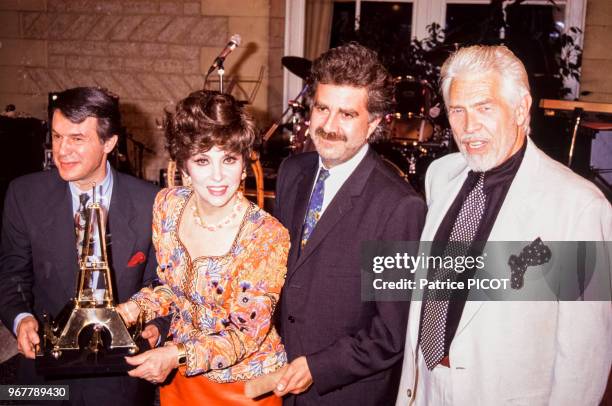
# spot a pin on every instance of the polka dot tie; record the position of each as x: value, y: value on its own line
x: 433, y: 322
x: 315, y: 206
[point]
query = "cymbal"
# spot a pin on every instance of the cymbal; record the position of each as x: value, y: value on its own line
x: 297, y: 65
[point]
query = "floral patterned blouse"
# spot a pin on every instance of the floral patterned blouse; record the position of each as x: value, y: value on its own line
x: 222, y: 305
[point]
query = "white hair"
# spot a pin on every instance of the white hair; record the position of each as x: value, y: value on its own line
x: 483, y: 59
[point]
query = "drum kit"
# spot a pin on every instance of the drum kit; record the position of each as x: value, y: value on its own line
x: 416, y: 136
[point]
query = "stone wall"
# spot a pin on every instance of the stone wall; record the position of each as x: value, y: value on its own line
x: 149, y: 52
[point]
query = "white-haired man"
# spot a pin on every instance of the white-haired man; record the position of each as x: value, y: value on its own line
x: 501, y: 187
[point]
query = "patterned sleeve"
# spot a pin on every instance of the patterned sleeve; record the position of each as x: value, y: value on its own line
x: 156, y: 302
x: 254, y: 296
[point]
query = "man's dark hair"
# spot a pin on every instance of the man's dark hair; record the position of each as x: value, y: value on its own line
x: 78, y: 103
x: 355, y: 65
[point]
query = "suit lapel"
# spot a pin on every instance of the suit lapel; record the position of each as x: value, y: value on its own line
x: 337, y: 208
x: 340, y: 205
x: 438, y: 210
x: 302, y: 197
x: 508, y: 225
x: 58, y: 228
x: 123, y: 236
x: 446, y: 196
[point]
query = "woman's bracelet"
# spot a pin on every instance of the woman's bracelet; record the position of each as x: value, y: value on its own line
x: 182, y: 354
x: 181, y: 357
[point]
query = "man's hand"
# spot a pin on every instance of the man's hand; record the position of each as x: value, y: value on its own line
x: 151, y: 334
x: 154, y: 365
x: 27, y: 337
x: 297, y: 378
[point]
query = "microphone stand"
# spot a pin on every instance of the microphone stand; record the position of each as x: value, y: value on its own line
x: 291, y: 105
x: 220, y: 72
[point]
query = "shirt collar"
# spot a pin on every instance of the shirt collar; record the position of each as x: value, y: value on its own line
x: 346, y: 168
x: 102, y: 189
x: 502, y: 173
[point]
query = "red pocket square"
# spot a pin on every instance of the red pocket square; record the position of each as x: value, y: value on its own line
x: 137, y: 259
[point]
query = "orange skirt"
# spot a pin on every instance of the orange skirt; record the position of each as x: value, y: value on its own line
x: 198, y: 390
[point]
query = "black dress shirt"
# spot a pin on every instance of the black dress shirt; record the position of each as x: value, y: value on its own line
x: 497, y: 181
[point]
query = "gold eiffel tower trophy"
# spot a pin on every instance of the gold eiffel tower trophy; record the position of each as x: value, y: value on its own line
x: 89, y: 336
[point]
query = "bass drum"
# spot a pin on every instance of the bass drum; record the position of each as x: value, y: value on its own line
x: 411, y: 129
x: 412, y: 96
x: 395, y: 160
x: 413, y: 99
x: 395, y: 168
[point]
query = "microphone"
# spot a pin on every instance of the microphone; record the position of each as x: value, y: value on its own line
x: 233, y: 43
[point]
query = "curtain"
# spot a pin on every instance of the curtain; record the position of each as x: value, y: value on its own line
x: 319, y: 15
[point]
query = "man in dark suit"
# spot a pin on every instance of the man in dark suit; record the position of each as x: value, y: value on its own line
x: 40, y: 232
x: 342, y: 350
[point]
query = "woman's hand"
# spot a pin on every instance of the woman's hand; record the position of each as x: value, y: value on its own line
x: 129, y: 312
x: 154, y: 365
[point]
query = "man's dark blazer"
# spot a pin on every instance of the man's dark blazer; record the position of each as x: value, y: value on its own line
x: 353, y: 348
x: 39, y: 267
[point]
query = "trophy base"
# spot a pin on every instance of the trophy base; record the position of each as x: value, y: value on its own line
x: 85, y: 362
x: 91, y: 340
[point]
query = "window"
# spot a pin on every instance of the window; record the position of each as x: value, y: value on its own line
x: 533, y: 33
x: 372, y: 16
x: 538, y: 19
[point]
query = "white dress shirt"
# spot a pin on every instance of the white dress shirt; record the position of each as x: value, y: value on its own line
x: 338, y: 175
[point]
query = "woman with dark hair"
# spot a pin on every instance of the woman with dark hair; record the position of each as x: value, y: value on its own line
x: 222, y: 263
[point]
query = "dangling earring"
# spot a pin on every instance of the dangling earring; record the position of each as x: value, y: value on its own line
x: 244, y: 175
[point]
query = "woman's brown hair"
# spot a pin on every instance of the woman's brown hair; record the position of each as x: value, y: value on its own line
x: 205, y: 119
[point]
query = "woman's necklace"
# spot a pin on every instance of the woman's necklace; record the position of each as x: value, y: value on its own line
x: 227, y: 220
